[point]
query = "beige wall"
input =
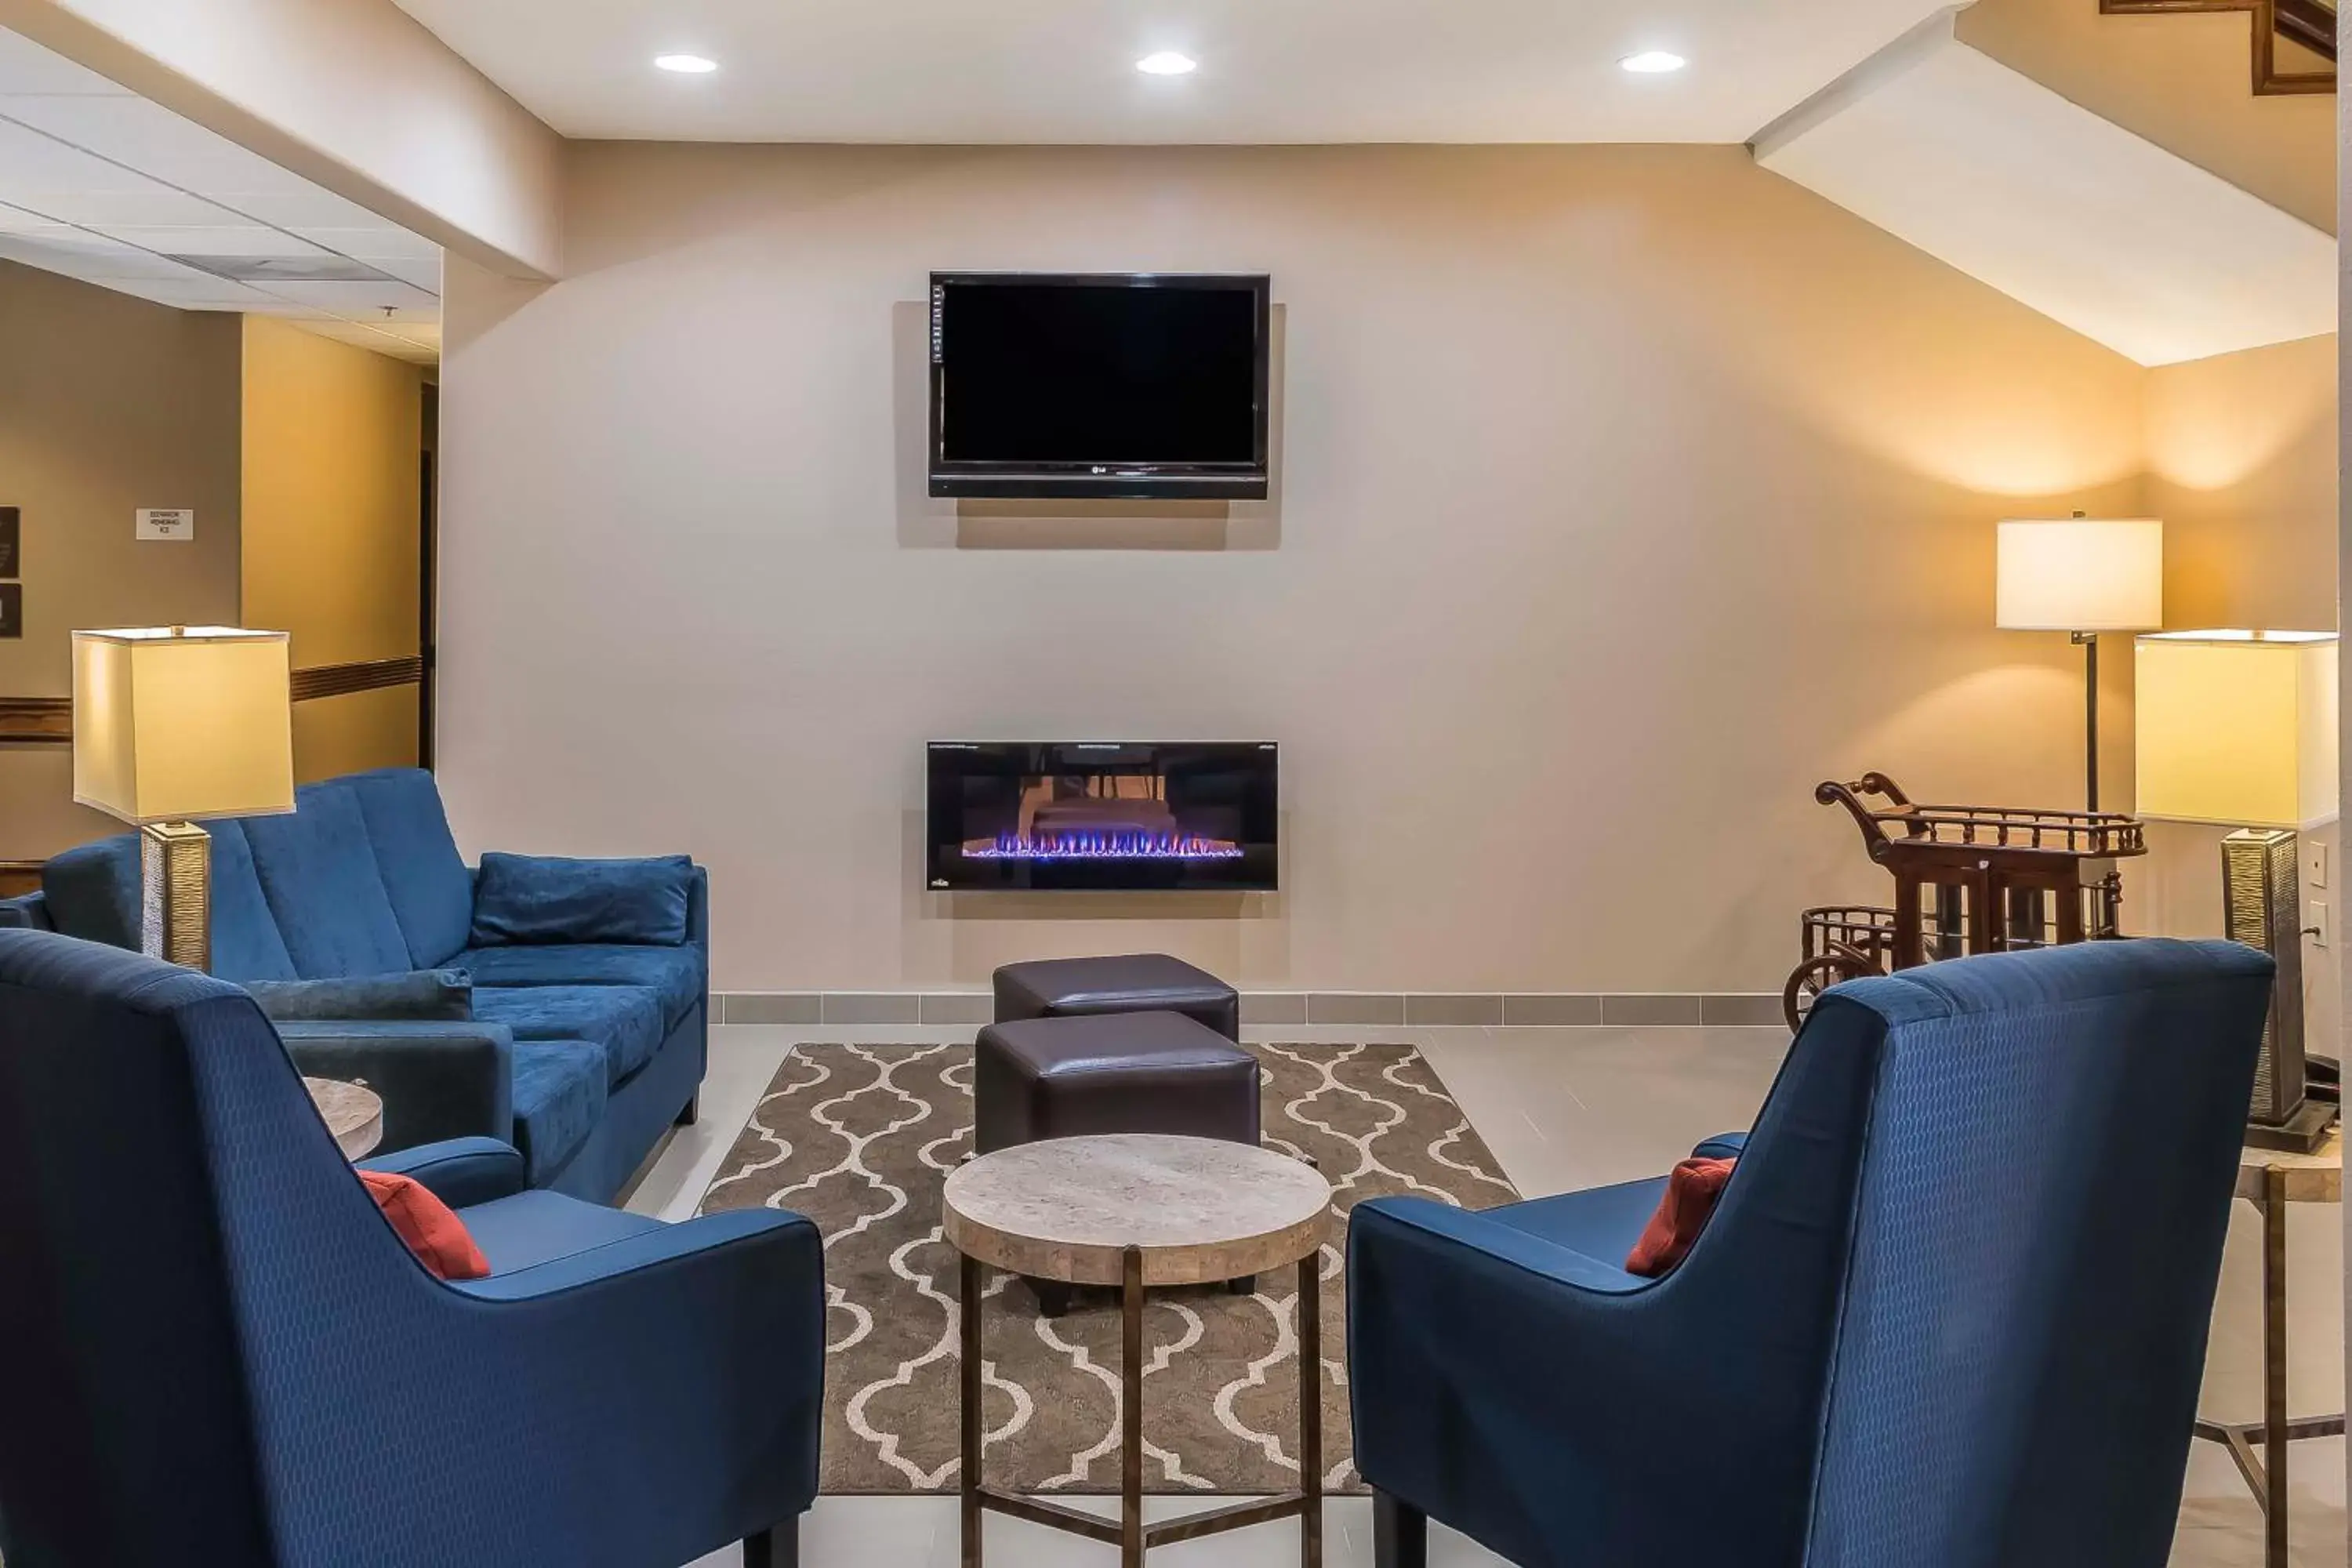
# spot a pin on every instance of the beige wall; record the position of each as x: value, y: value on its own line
x: 332, y: 436
x: 2242, y: 468
x: 107, y: 405
x: 355, y: 96
x: 1623, y: 494
x: 2182, y: 79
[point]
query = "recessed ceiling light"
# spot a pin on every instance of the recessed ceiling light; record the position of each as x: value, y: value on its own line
x: 1167, y: 62
x: 686, y: 65
x: 1653, y: 62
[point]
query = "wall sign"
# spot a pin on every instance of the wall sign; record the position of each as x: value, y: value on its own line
x: 11, y: 543
x: 173, y: 522
x: 12, y: 609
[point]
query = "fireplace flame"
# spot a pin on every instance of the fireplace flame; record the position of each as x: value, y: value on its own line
x: 1127, y: 844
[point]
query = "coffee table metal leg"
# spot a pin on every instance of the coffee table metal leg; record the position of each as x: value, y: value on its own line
x: 1310, y: 1408
x: 969, y: 1291
x: 1130, y: 1453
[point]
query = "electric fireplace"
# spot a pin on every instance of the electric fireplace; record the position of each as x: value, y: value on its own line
x: 1109, y: 816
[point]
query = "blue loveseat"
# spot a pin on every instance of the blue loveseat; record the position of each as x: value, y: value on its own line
x: 580, y: 1054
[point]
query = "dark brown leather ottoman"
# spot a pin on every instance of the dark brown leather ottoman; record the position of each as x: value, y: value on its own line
x: 1034, y: 1078
x: 1126, y: 1072
x: 1135, y: 983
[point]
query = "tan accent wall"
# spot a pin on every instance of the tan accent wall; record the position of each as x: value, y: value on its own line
x: 2241, y: 458
x: 1623, y: 494
x: 332, y: 436
x: 2182, y: 79
x: 108, y: 403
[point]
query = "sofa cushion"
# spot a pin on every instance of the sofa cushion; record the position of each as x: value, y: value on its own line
x: 674, y: 971
x: 426, y: 995
x: 551, y: 899
x: 432, y: 892
x: 319, y: 872
x: 246, y: 944
x: 623, y: 1021
x: 559, y: 1098
x: 92, y: 891
x: 525, y: 1228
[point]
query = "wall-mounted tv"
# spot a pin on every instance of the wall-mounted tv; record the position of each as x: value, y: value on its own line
x: 1103, y: 815
x: 1144, y: 384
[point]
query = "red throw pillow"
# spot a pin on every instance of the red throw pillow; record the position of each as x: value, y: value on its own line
x: 1690, y: 1197
x: 437, y: 1237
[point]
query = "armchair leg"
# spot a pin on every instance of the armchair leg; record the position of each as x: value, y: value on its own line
x: 1400, y: 1534
x: 777, y: 1548
x: 691, y: 1113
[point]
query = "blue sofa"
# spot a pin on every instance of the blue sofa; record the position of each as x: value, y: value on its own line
x: 582, y: 1055
x: 214, y: 1350
x: 1951, y: 1311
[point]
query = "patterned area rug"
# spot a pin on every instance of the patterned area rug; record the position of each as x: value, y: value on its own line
x: 859, y: 1138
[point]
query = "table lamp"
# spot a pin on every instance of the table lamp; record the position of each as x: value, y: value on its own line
x: 172, y: 724
x: 2238, y: 728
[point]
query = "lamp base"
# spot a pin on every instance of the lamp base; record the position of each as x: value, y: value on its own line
x: 175, y: 860
x: 2303, y: 1132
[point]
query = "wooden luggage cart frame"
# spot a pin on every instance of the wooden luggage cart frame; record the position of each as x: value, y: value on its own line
x: 1968, y: 879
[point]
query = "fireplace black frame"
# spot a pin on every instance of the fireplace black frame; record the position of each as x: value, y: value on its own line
x: 1043, y: 817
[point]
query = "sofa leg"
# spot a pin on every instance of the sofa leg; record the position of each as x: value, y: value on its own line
x: 691, y: 1113
x: 777, y: 1548
x: 1052, y: 1297
x: 1400, y: 1534
x: 1244, y: 1286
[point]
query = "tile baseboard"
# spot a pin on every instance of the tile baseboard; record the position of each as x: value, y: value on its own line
x: 1275, y: 1009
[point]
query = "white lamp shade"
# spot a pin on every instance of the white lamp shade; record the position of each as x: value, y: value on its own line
x: 2236, y: 727
x: 171, y: 726
x: 2081, y: 575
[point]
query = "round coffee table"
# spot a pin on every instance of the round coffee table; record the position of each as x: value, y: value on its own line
x: 1138, y: 1210
x: 352, y: 1112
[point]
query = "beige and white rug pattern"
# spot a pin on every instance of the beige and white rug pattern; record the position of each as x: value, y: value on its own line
x: 860, y: 1138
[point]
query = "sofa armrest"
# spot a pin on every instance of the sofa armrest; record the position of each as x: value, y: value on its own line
x: 698, y: 908
x: 461, y: 1171
x: 1722, y: 1146
x: 438, y: 1081
x: 28, y: 912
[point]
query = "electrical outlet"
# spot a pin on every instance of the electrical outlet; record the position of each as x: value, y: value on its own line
x: 2322, y: 930
x: 2315, y: 863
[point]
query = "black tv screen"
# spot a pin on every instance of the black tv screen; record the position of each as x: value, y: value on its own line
x: 1143, y: 385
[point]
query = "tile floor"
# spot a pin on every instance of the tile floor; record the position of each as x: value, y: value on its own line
x: 1563, y: 1109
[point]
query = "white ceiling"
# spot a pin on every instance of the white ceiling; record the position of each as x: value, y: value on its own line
x: 1063, y: 70
x: 99, y: 184
x: 2070, y: 214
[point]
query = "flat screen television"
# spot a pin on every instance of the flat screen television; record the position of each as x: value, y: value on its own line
x: 1103, y: 815
x: 1146, y: 384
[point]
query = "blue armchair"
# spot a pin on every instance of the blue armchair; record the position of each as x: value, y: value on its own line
x: 1951, y: 1313
x: 213, y: 1349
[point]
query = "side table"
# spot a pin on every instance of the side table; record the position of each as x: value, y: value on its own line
x: 1135, y: 1211
x: 2270, y: 1180
x: 352, y: 1111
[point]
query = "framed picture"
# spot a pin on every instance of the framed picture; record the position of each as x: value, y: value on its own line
x: 12, y: 609
x: 11, y: 543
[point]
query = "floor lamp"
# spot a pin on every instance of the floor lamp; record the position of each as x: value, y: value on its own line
x: 2083, y: 577
x: 2238, y: 729
x: 172, y: 723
